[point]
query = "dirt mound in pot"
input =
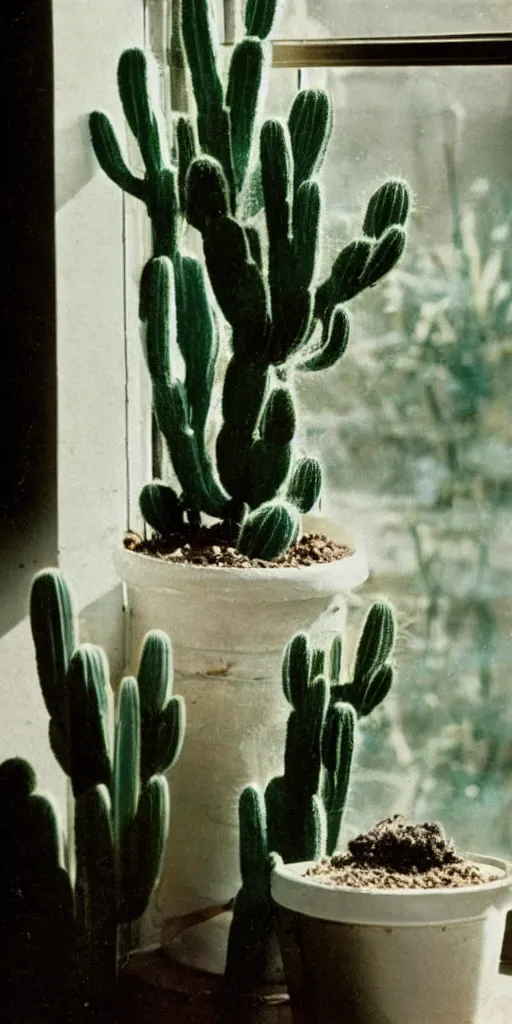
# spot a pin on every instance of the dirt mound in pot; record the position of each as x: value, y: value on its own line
x: 209, y: 546
x: 396, y: 855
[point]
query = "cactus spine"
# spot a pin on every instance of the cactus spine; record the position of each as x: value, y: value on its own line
x: 300, y: 813
x: 115, y: 757
x: 282, y: 321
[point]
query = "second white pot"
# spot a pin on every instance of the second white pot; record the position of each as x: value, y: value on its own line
x: 228, y: 628
x: 369, y: 956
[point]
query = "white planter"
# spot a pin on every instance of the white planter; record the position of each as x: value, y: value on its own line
x: 368, y: 956
x: 228, y: 629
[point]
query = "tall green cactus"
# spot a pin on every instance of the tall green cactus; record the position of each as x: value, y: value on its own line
x: 281, y: 320
x: 299, y: 815
x: 115, y: 754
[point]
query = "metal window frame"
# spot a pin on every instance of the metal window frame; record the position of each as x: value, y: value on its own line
x: 393, y: 51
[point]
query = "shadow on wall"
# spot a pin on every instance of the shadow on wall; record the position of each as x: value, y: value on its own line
x: 27, y: 310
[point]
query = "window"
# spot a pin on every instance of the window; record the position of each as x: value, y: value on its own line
x: 414, y: 426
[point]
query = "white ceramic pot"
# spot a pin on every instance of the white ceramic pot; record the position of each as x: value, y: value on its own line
x: 368, y: 956
x: 228, y: 629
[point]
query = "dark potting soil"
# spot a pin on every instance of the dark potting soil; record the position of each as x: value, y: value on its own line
x: 207, y: 546
x: 396, y: 855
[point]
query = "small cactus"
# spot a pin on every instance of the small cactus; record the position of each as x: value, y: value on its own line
x: 115, y: 757
x: 215, y: 172
x: 300, y: 813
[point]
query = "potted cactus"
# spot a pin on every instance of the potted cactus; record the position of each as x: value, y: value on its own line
x: 298, y: 817
x: 247, y: 321
x: 114, y: 753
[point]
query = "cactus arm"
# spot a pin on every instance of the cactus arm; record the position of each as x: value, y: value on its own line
x: 259, y: 16
x: 390, y: 204
x: 126, y: 775
x: 197, y: 339
x: 335, y: 656
x: 335, y: 337
x: 244, y: 86
x: 306, y: 226
x: 155, y: 673
x: 269, y: 531
x: 161, y: 508
x: 187, y: 152
x: 212, y: 117
x: 163, y: 209
x: 377, y: 688
x: 134, y: 90
x: 54, y: 632
x: 384, y: 256
x: 296, y: 668
x: 90, y: 703
x: 305, y: 484
x: 207, y: 192
x: 109, y: 157
x: 239, y: 287
x: 375, y: 643
x: 143, y: 849
x: 270, y: 455
x: 243, y: 396
x: 337, y: 754
x: 310, y: 124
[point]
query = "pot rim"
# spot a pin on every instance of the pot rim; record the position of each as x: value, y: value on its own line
x: 299, y: 582
x: 348, y: 905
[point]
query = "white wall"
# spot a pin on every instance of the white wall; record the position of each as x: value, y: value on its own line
x: 92, y: 479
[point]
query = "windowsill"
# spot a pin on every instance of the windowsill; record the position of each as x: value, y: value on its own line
x: 154, y: 989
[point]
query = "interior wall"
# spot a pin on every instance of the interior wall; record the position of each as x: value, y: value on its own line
x: 71, y: 332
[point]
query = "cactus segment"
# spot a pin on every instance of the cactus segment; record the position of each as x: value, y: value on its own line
x: 96, y: 868
x: 310, y: 123
x: 170, y: 735
x: 143, y: 848
x: 197, y: 338
x: 269, y: 531
x: 268, y: 465
x: 155, y: 673
x: 187, y: 152
x: 90, y: 714
x: 296, y: 668
x: 377, y: 689
x: 337, y: 754
x: 239, y: 287
x: 305, y: 484
x: 375, y: 643
x: 109, y: 157
x: 384, y: 256
x: 306, y: 226
x: 317, y: 662
x: 346, y: 278
x: 161, y: 508
x: 244, y: 87
x: 54, y: 633
x: 243, y: 395
x: 335, y: 656
x: 163, y: 208
x: 126, y: 774
x: 259, y: 17
x: 198, y: 37
x: 278, y: 420
x: 161, y: 305
x: 134, y: 90
x: 254, y: 867
x: 332, y: 349
x: 207, y: 192
x: 389, y: 204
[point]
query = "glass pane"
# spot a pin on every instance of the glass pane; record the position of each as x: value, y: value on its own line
x: 414, y: 428
x: 309, y: 19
